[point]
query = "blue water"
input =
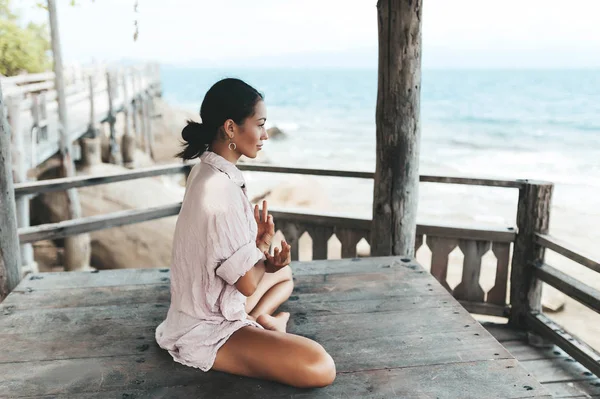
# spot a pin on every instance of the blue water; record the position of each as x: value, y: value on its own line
x: 498, y: 123
x: 332, y: 113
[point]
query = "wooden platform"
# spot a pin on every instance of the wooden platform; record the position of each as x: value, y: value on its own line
x: 392, y: 329
x: 562, y: 376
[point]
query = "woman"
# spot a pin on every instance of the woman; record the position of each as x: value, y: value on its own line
x: 224, y: 283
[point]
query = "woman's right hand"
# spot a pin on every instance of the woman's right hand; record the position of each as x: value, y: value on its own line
x: 279, y: 259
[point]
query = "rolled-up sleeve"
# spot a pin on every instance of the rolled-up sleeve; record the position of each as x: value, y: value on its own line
x: 239, y: 263
x: 234, y: 244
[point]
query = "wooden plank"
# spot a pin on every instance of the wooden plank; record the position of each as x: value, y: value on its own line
x: 505, y: 332
x: 567, y: 250
x: 46, y: 186
x: 470, y: 232
x: 89, y: 296
x: 304, y: 171
x: 469, y: 288
x: 522, y: 351
x: 572, y: 287
x: 440, y: 249
x: 473, y: 181
x: 123, y: 376
x: 555, y: 370
x: 486, y: 308
x: 533, y: 216
x: 102, y: 278
x: 360, y: 265
x: 580, y: 351
x: 87, y: 224
x: 27, y: 78
x: 10, y: 272
x: 497, y: 295
x: 574, y: 389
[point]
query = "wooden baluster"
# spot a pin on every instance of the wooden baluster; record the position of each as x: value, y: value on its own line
x: 440, y: 250
x: 469, y: 288
x: 497, y: 295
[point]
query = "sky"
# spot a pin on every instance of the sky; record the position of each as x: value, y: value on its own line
x: 326, y: 33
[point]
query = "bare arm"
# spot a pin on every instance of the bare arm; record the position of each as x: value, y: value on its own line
x: 248, y: 283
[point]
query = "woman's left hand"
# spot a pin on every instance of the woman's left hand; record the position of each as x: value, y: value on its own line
x: 266, y: 227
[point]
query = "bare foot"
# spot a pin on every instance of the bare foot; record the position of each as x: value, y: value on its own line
x: 274, y: 323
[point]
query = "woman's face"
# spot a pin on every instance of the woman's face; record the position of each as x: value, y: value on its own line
x: 252, y: 132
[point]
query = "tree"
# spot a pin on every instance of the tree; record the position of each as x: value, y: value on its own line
x: 22, y: 48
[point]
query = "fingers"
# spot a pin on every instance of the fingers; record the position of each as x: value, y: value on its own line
x: 265, y: 212
x: 256, y: 213
x: 271, y: 225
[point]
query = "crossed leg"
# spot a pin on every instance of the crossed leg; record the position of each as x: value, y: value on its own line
x: 273, y: 290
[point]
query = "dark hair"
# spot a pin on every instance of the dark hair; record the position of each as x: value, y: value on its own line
x: 227, y: 99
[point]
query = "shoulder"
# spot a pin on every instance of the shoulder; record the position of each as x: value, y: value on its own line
x: 214, y: 189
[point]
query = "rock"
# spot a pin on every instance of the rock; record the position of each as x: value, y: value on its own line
x: 275, y: 133
x: 552, y: 299
x: 138, y: 245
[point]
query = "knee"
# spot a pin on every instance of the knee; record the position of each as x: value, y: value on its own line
x: 286, y: 273
x: 320, y: 371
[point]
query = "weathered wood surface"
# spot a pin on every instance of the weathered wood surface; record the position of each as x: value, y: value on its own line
x: 558, y: 372
x: 572, y: 287
x: 533, y: 217
x: 568, y: 251
x: 10, y: 273
x: 392, y: 329
x: 398, y: 128
x: 41, y: 148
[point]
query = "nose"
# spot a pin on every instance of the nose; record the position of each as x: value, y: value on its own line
x: 264, y: 135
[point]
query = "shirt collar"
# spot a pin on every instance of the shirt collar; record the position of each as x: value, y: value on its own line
x: 224, y: 166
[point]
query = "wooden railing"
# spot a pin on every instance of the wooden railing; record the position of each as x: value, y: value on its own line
x: 473, y: 242
x: 575, y: 289
x: 94, y: 96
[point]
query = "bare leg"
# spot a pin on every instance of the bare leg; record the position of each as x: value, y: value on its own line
x: 271, y: 355
x: 273, y: 290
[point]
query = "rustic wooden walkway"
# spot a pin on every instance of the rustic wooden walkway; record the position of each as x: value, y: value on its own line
x: 392, y: 329
x: 559, y: 373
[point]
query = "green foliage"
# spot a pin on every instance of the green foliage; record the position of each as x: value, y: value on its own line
x: 22, y: 48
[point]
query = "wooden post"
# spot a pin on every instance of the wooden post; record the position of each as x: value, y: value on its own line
x: 533, y: 216
x: 77, y: 248
x: 10, y: 273
x: 20, y: 176
x: 91, y: 153
x: 142, y: 113
x: 114, y: 152
x: 128, y: 140
x: 92, y: 129
x: 43, y: 122
x: 398, y: 128
x: 148, y: 124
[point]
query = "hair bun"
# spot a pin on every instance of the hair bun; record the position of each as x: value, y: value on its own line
x: 193, y: 132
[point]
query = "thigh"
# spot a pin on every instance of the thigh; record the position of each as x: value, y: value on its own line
x: 276, y: 356
x: 267, y: 282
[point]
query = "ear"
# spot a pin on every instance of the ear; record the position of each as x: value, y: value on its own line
x: 230, y: 128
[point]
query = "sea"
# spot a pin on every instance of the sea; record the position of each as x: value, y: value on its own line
x: 506, y: 124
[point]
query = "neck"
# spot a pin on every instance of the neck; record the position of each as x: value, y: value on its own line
x: 223, y: 150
